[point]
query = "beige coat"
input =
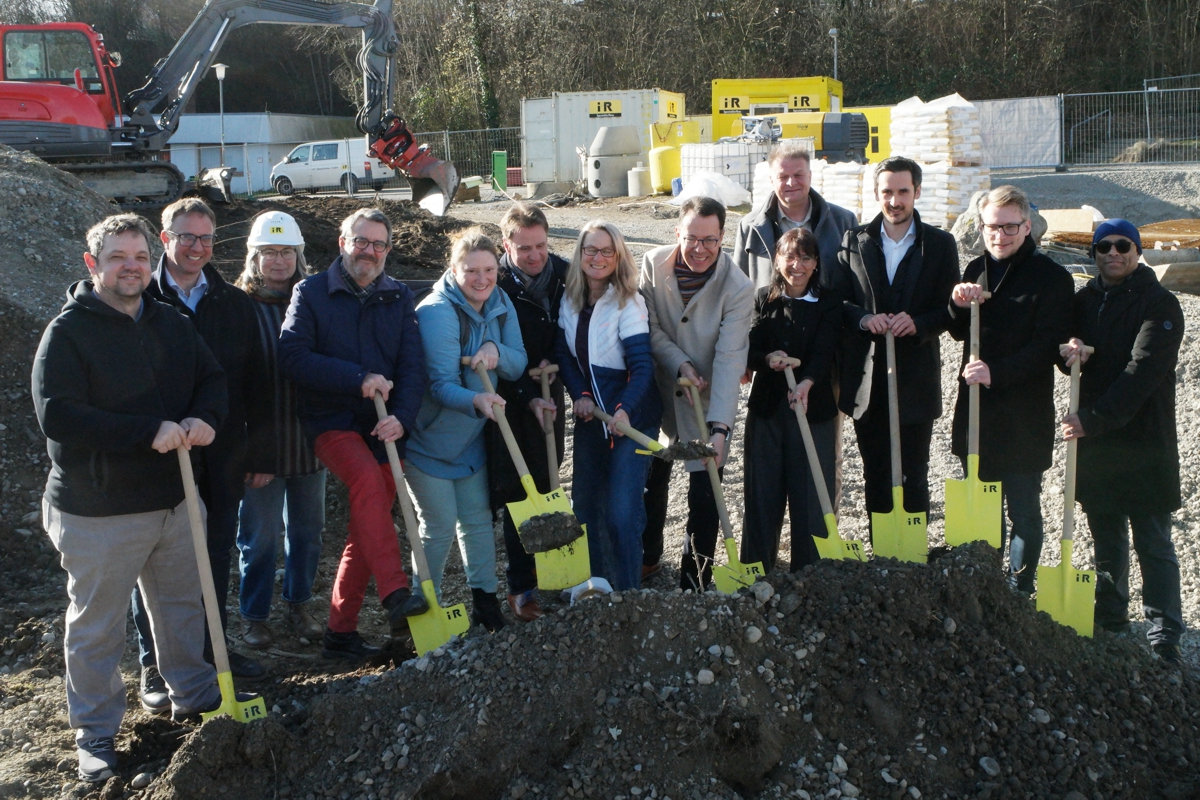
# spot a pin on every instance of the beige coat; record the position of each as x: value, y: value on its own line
x: 713, y: 333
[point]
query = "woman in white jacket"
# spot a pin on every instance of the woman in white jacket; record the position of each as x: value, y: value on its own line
x: 605, y: 363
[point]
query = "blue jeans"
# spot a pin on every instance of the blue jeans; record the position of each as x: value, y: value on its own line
x: 444, y: 504
x: 1161, y: 602
x: 607, y: 489
x: 262, y: 518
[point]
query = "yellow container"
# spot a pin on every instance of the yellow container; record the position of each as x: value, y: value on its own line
x: 879, y: 123
x: 664, y: 168
x: 676, y: 134
x: 736, y: 97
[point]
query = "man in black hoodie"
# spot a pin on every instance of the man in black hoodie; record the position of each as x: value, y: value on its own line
x: 119, y: 383
x: 534, y: 279
x: 225, y: 318
x: 1021, y: 327
x: 1128, y: 446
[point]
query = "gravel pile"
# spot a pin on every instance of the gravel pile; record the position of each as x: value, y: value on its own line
x: 877, y: 680
x: 1141, y: 194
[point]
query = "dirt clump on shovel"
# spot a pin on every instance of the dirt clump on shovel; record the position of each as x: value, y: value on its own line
x: 878, y: 679
x: 549, y: 531
x: 687, y: 451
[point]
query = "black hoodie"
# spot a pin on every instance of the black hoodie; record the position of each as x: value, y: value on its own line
x: 102, y: 385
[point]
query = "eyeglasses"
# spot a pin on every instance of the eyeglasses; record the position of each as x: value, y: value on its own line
x: 362, y: 244
x: 708, y: 243
x: 286, y: 252
x: 1010, y: 229
x: 592, y: 252
x: 1123, y: 246
x: 190, y: 239
x: 804, y: 261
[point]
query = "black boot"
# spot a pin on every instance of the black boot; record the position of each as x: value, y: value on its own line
x: 402, y: 604
x: 486, y: 611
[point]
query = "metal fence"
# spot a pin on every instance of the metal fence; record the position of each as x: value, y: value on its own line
x: 1154, y: 126
x: 340, y: 165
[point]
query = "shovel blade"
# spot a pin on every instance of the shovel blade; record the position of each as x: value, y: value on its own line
x: 973, y: 509
x: 735, y: 575
x: 900, y: 534
x: 230, y: 707
x: 439, y: 624
x: 833, y: 546
x: 565, y: 566
x: 1067, y: 594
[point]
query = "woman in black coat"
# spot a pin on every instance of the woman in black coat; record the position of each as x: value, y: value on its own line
x: 792, y: 319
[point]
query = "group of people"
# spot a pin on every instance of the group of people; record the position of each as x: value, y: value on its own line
x: 271, y: 381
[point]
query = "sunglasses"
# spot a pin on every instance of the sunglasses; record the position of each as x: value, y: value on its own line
x: 1104, y: 248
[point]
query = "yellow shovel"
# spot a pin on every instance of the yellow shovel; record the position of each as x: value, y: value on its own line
x: 1065, y: 593
x: 734, y: 575
x: 833, y: 545
x: 898, y: 534
x: 436, y: 626
x: 563, y: 567
x: 242, y: 711
x: 973, y: 507
x: 543, y: 374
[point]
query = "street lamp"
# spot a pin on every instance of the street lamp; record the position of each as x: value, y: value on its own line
x: 833, y: 34
x: 220, y: 70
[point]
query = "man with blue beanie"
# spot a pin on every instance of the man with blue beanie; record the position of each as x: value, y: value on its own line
x: 1128, y: 474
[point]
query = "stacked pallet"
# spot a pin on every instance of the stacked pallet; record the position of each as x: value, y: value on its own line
x: 946, y: 129
x: 946, y: 191
x: 842, y: 185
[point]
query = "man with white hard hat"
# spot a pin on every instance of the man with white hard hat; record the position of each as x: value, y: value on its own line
x: 274, y: 265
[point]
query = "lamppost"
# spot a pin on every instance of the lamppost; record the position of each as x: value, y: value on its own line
x: 833, y: 34
x: 220, y: 70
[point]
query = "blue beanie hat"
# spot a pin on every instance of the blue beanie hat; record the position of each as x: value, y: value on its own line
x: 1120, y: 227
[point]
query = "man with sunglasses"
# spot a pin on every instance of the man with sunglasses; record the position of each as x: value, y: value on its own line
x: 224, y: 317
x: 1128, y: 447
x: 1021, y: 327
x: 351, y: 331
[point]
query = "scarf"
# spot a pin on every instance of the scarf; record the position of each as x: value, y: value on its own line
x: 536, y: 286
x: 363, y: 293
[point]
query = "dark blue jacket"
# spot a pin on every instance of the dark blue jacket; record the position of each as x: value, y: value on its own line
x: 330, y: 341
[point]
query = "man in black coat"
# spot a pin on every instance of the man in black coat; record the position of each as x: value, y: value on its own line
x: 534, y: 279
x: 1128, y: 450
x: 894, y: 273
x: 224, y: 316
x: 1021, y: 327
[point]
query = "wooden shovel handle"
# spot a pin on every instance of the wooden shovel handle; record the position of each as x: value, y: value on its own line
x: 973, y: 389
x: 1072, y: 454
x: 208, y: 589
x: 411, y: 530
x: 543, y: 374
x: 537, y: 372
x: 710, y: 463
x: 893, y: 409
x: 814, y: 463
x: 628, y: 430
x: 501, y: 420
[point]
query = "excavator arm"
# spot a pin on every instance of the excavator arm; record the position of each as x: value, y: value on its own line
x: 155, y: 108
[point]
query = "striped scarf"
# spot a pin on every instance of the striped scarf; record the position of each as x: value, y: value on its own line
x: 690, y: 282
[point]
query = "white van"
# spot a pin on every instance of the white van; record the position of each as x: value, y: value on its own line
x: 330, y: 164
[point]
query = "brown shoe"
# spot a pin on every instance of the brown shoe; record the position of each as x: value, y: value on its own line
x: 303, y: 622
x: 525, y: 606
x: 650, y: 570
x: 257, y: 635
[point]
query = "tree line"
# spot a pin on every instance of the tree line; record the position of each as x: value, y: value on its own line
x: 467, y: 63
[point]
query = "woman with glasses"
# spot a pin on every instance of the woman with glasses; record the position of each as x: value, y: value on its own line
x: 793, y: 319
x: 464, y: 316
x: 605, y: 361
x: 291, y: 500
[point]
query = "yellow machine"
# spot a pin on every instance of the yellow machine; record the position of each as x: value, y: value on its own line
x: 761, y: 97
x: 879, y: 131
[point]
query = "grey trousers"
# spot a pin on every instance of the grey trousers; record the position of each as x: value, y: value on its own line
x: 104, y: 557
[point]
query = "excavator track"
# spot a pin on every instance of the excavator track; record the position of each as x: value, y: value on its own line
x: 134, y: 185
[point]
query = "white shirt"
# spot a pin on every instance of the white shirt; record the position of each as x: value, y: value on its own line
x: 894, y: 252
x: 192, y: 298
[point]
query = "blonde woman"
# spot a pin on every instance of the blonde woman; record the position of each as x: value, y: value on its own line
x: 605, y: 363
x: 446, y: 459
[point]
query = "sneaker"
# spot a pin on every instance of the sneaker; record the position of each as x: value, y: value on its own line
x: 402, y: 604
x: 349, y: 646
x: 1169, y: 653
x: 486, y: 610
x: 153, y: 692
x: 257, y: 635
x: 195, y: 716
x: 97, y: 758
x: 245, y: 667
x: 525, y: 606
x: 303, y: 622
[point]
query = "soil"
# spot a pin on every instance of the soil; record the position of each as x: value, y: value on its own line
x: 549, y: 531
x: 687, y: 451
x: 846, y: 679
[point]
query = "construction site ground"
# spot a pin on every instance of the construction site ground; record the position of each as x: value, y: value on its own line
x: 874, y: 680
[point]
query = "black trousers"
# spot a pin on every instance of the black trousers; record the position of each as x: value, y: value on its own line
x: 1161, y: 598
x: 703, y: 524
x: 875, y: 446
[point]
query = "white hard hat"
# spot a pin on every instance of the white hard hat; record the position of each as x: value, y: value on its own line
x: 275, y: 228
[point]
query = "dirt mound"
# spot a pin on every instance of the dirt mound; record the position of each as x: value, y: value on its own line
x: 879, y: 680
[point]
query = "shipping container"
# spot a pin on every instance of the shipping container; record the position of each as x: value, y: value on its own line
x: 737, y: 97
x: 552, y: 128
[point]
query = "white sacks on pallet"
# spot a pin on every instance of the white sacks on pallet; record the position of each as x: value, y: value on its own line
x: 946, y: 129
x: 946, y: 191
x: 842, y: 185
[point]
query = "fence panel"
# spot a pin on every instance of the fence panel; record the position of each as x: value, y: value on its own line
x: 471, y: 151
x: 1157, y: 126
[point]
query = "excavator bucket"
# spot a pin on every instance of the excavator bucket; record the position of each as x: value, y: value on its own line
x: 434, y: 185
x: 434, y: 182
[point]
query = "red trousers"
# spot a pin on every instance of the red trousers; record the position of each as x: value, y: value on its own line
x: 372, y: 547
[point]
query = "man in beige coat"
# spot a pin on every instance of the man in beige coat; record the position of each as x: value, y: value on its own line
x: 700, y: 306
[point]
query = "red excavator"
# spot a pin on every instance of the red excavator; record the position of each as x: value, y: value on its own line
x: 59, y: 99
